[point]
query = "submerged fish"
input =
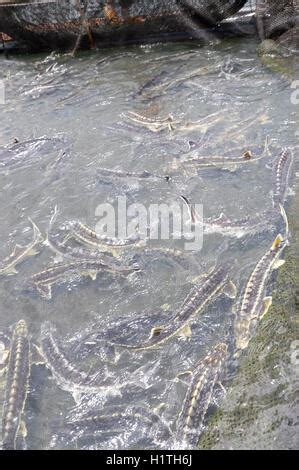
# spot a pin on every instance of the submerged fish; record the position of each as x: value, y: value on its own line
x: 254, y: 305
x: 118, y: 419
x: 199, y: 395
x: 154, y: 125
x: 63, y: 250
x: 20, y: 253
x: 64, y: 372
x: 84, y: 234
x: 282, y: 169
x: 98, y: 246
x: 15, y: 155
x: 18, y: 372
x: 210, y: 161
x: 62, y: 273
x: 235, y: 228
x: 129, y: 174
x: 162, y: 87
x: 212, y: 285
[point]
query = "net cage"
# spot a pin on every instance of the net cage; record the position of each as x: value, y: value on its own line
x: 59, y: 24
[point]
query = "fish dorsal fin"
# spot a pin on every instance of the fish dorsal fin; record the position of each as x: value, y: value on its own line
x: 231, y: 169
x: 156, y: 331
x: 230, y: 290
x: 277, y: 242
x: 45, y: 290
x: 186, y: 332
x: 157, y: 410
x: 37, y: 356
x: 222, y: 217
x: 190, y: 171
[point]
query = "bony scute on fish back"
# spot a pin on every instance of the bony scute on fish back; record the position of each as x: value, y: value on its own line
x: 282, y: 172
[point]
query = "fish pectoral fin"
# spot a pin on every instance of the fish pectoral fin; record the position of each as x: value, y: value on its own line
x: 23, y: 429
x: 33, y: 252
x: 186, y: 332
x: 37, y: 356
x: 230, y: 290
x: 231, y: 169
x: 4, y: 359
x: 159, y: 408
x: 92, y: 275
x: 156, y: 331
x: 277, y: 242
x: 45, y: 290
x: 278, y: 263
x: 116, y: 253
x: 165, y: 307
x: 3, y: 369
x: 267, y: 302
x: 9, y: 271
x: 190, y: 171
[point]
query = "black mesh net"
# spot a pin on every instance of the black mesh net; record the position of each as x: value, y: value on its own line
x: 85, y: 23
x: 275, y: 17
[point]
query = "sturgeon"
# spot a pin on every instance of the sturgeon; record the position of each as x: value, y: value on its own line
x: 199, y: 395
x: 84, y: 234
x: 129, y: 174
x: 282, y: 170
x: 118, y: 419
x: 210, y: 161
x: 213, y: 284
x: 65, y: 373
x: 254, y: 305
x: 18, y: 372
x: 258, y: 223
x: 154, y: 125
x: 62, y: 273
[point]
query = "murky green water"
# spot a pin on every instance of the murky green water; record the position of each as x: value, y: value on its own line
x: 80, y: 104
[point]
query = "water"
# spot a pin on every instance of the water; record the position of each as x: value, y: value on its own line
x: 80, y: 104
